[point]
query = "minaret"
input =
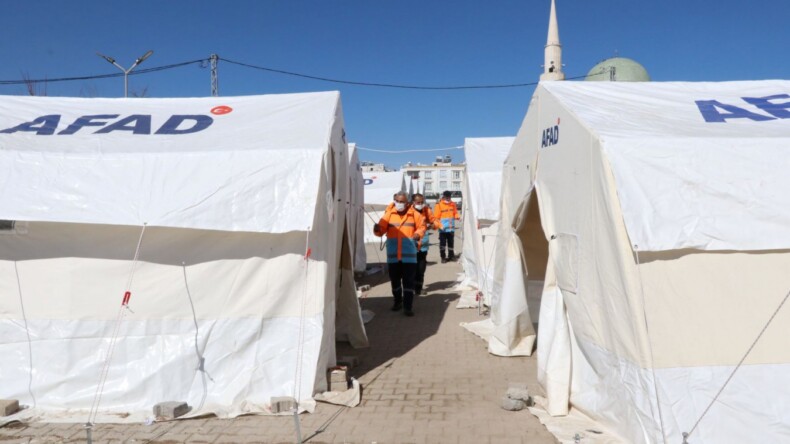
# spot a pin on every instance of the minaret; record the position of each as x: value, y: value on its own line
x: 552, y: 65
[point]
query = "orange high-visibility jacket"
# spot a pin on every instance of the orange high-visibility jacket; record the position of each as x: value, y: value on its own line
x: 430, y: 224
x: 400, y: 230
x: 447, y: 214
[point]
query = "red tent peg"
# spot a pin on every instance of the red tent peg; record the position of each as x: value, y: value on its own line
x: 126, y: 297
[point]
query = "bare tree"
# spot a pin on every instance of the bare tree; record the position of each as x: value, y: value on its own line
x: 34, y: 87
x: 89, y: 91
x: 142, y: 93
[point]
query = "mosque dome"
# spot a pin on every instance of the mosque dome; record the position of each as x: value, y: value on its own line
x: 618, y: 69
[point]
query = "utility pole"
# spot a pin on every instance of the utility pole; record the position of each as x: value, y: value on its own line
x: 214, y: 75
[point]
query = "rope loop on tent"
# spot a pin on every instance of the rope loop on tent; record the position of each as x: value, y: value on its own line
x: 114, y: 339
x: 27, y: 331
x: 297, y: 390
x: 738, y: 366
x: 201, y: 367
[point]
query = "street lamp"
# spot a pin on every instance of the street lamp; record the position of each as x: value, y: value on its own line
x: 126, y: 71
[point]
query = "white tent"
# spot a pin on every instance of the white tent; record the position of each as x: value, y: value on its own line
x: 222, y: 217
x: 412, y: 186
x: 664, y: 211
x: 356, y: 210
x: 509, y: 329
x: 485, y: 158
x: 379, y: 188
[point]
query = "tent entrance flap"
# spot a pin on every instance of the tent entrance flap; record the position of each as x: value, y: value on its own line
x: 533, y: 239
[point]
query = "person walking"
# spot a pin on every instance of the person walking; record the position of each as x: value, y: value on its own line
x: 447, y: 213
x: 419, y: 205
x: 404, y: 227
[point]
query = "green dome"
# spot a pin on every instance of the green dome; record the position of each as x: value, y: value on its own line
x: 618, y: 69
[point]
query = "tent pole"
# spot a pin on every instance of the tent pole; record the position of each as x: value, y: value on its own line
x: 298, y: 426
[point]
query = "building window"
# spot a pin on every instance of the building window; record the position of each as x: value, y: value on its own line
x: 429, y: 174
x: 443, y: 185
x: 456, y: 186
x: 456, y: 174
x: 442, y: 174
x: 428, y: 187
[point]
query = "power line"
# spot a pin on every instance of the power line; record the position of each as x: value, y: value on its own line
x: 386, y: 85
x: 213, y: 60
x: 429, y: 150
x: 101, y: 76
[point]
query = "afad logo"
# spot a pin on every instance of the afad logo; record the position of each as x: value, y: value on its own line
x: 369, y: 180
x: 176, y: 124
x: 718, y: 112
x: 551, y: 135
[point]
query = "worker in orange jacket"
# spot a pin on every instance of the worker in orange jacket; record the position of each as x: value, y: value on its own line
x: 404, y: 227
x: 418, y: 203
x: 446, y: 213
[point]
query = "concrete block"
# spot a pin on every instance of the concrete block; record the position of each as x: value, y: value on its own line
x: 282, y: 404
x: 512, y: 405
x: 348, y: 361
x: 171, y: 409
x: 519, y: 391
x: 337, y: 378
x: 8, y: 407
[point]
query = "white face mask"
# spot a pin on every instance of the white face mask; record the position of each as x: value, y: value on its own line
x: 400, y: 206
x: 419, y: 207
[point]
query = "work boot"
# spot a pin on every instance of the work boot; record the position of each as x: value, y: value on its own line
x: 444, y: 260
x: 397, y: 306
x: 408, y: 312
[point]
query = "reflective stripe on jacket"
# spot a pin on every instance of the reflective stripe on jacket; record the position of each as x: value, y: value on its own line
x: 400, y: 230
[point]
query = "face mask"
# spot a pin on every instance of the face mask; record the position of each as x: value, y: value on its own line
x: 419, y: 207
x: 400, y: 206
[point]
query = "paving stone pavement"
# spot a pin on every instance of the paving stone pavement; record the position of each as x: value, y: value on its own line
x: 425, y: 380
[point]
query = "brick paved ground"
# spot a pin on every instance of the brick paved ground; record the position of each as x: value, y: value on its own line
x: 425, y: 380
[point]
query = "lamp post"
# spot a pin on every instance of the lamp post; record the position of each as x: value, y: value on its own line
x: 126, y: 71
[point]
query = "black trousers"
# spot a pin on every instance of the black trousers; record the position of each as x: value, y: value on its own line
x: 449, y: 240
x: 422, y: 263
x: 402, y: 277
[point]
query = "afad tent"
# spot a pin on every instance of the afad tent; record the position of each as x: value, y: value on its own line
x: 380, y: 186
x: 485, y: 158
x: 664, y: 211
x: 355, y: 211
x: 198, y: 242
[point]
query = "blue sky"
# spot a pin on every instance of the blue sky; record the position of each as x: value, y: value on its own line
x: 408, y: 42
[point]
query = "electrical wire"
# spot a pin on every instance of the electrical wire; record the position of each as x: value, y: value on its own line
x: 427, y: 150
x: 102, y: 76
x: 204, y: 63
x: 385, y: 85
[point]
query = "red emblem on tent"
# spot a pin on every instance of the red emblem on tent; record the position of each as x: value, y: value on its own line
x: 220, y: 110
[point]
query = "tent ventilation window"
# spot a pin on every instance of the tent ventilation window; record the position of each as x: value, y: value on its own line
x: 564, y: 251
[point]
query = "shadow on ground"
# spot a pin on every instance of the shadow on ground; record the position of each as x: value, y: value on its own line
x: 392, y: 334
